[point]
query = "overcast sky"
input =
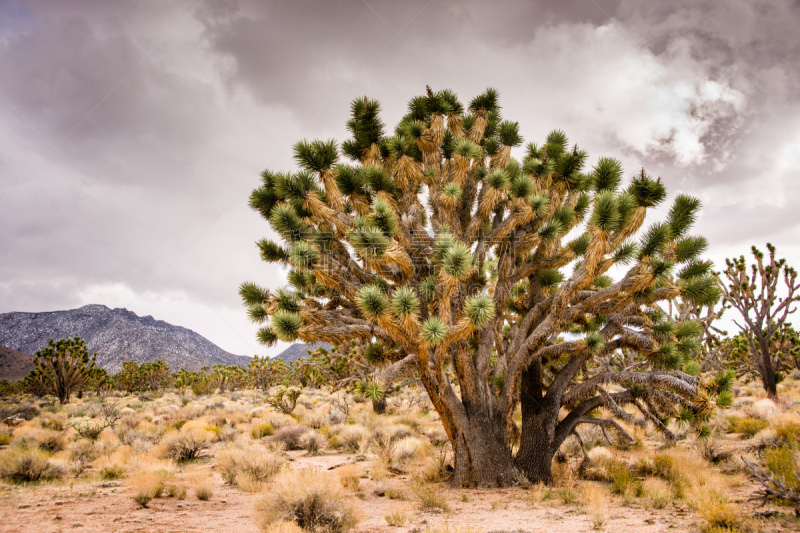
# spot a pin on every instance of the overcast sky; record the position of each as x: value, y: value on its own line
x: 132, y: 132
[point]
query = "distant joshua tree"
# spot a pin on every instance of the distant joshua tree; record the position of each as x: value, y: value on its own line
x: 63, y: 367
x: 764, y: 304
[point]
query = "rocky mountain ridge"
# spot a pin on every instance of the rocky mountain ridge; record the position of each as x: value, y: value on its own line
x: 117, y: 335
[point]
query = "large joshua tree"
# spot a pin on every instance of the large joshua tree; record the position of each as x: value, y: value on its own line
x: 492, y: 273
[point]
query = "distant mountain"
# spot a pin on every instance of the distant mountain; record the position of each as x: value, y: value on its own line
x: 299, y: 350
x: 14, y: 365
x: 117, y: 335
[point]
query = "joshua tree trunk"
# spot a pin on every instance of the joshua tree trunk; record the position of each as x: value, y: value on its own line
x: 482, y: 455
x: 537, y: 445
x: 379, y: 406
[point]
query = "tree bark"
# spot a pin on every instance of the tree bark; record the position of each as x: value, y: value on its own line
x: 483, y: 457
x: 537, y: 442
x: 379, y: 406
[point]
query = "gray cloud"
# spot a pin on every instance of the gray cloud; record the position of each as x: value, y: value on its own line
x: 144, y: 202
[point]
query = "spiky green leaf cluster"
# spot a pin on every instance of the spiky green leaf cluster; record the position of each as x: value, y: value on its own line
x: 479, y: 310
x: 371, y: 301
x: 434, y: 330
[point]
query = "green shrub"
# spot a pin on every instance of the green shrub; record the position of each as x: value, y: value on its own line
x: 623, y: 479
x: 747, y: 426
x: 260, y: 431
x: 781, y: 462
x: 112, y: 472
x: 5, y: 439
x: 788, y: 433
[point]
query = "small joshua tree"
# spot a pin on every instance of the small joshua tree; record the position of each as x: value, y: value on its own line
x: 764, y: 310
x: 370, y: 368
x: 284, y: 399
x: 64, y: 366
x: 436, y: 239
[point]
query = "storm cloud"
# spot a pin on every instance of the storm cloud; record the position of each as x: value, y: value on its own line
x: 133, y: 132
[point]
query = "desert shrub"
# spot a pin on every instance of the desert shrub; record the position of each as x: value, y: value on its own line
x: 312, y: 441
x: 438, y: 468
x: 624, y: 480
x: 186, y: 445
x: 176, y: 491
x: 397, y: 519
x: 82, y: 450
x: 24, y: 465
x: 350, y: 477
x: 718, y: 513
x: 594, y: 497
x: 431, y: 497
x: 249, y: 467
x: 203, y: 492
x: 284, y: 399
x: 311, y: 499
x: 51, y: 422
x: 25, y: 411
x: 290, y: 436
x: 353, y: 437
x: 393, y: 432
x: 259, y: 431
x: 406, y: 449
x: 748, y: 426
x: 5, y: 438
x: 112, y: 471
x: 147, y: 486
x: 227, y: 434
x: 437, y: 435
x: 88, y: 429
x: 781, y: 462
x: 283, y: 527
x: 788, y: 433
x: 49, y: 441
x: 658, y: 492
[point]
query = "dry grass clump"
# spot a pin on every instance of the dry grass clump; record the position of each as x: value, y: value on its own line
x: 290, y: 436
x: 407, y: 449
x: 283, y: 527
x: 437, y: 435
x: 595, y: 498
x: 113, y: 471
x: 431, y: 496
x: 147, y: 486
x: 249, y: 467
x: 203, y: 491
x: 49, y: 441
x: 25, y: 465
x: 353, y: 437
x: 312, y: 441
x: 658, y: 492
x: 717, y: 512
x: 350, y: 477
x: 309, y: 498
x: 397, y: 519
x: 186, y: 444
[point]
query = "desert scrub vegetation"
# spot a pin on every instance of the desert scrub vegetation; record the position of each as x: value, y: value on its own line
x: 147, y: 486
x: 186, y: 444
x: 28, y: 465
x: 248, y: 467
x: 310, y: 498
